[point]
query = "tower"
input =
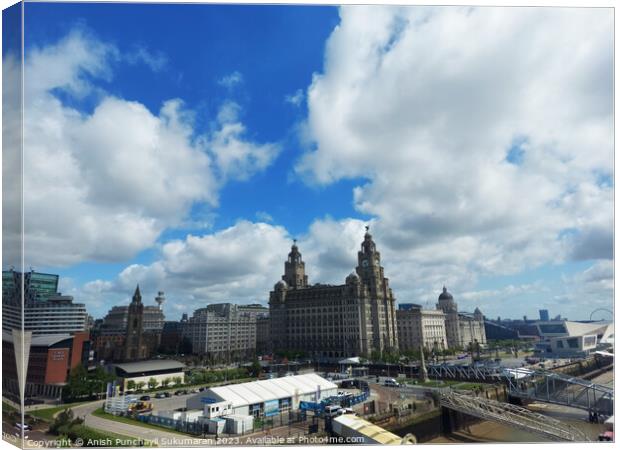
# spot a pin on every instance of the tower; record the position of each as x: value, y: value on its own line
x: 134, y: 348
x: 295, y: 269
x: 381, y: 299
x: 160, y: 299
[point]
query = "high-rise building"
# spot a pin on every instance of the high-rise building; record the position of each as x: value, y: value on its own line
x: 544, y: 315
x: 355, y: 318
x: 45, y: 311
x: 37, y: 287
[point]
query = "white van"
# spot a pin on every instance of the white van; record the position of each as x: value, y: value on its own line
x: 391, y: 382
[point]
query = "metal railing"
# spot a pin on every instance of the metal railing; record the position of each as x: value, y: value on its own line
x: 511, y: 415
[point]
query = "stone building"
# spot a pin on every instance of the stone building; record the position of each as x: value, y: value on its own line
x: 420, y: 327
x: 325, y: 321
x: 222, y: 332
x: 109, y: 336
x: 263, y: 335
x: 461, y: 329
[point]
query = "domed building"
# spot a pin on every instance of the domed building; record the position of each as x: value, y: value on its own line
x: 334, y: 322
x: 461, y: 329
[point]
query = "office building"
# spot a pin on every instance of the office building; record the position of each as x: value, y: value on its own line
x: 332, y: 322
x: 45, y: 311
x: 50, y: 361
x: 419, y: 327
x: 462, y: 330
x: 222, y: 332
x: 544, y: 315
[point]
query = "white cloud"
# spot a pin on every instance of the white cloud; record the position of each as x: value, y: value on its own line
x: 425, y: 104
x: 240, y: 264
x: 236, y: 157
x: 231, y: 80
x: 156, y: 61
x: 102, y: 186
x: 295, y: 99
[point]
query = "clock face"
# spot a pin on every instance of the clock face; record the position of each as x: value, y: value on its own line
x: 365, y: 263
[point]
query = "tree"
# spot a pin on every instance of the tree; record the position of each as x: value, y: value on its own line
x: 165, y: 382
x: 63, y: 422
x: 152, y: 383
x: 255, y: 369
x: 177, y: 380
x: 140, y: 385
x: 131, y: 385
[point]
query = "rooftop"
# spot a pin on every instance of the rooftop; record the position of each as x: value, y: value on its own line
x: 265, y: 390
x: 148, y: 366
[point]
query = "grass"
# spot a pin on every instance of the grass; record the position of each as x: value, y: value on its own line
x: 47, y: 414
x: 104, y: 415
x: 7, y: 408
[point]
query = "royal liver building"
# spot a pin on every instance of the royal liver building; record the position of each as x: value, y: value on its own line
x: 355, y: 318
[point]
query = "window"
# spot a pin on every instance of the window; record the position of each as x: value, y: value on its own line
x: 572, y: 343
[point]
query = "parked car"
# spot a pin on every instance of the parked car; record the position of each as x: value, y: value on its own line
x: 161, y: 395
x: 145, y: 398
x: 180, y: 392
x: 21, y: 426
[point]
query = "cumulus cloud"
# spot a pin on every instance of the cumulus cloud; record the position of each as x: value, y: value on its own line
x: 240, y: 264
x: 427, y: 104
x: 102, y: 186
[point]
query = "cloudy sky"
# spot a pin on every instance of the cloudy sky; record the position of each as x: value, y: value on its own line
x: 183, y: 147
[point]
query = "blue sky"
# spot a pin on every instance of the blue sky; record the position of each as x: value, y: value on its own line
x: 189, y: 144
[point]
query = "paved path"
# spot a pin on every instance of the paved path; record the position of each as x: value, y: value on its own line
x: 161, y: 437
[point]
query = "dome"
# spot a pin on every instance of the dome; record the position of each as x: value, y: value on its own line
x: 280, y: 285
x: 353, y: 278
x: 445, y: 295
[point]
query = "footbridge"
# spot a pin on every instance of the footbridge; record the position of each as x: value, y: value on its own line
x: 511, y: 415
x: 536, y: 385
x: 559, y: 389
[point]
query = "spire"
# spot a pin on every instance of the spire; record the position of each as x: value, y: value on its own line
x: 137, y: 297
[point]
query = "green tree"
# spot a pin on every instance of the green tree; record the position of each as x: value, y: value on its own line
x: 165, y: 382
x: 177, y: 380
x: 131, y: 385
x: 63, y: 422
x: 152, y: 383
x: 255, y: 369
x: 140, y: 385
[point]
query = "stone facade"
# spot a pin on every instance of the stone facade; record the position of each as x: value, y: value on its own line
x: 327, y: 321
x: 461, y: 330
x: 109, y: 336
x: 134, y: 343
x: 419, y: 327
x: 222, y: 332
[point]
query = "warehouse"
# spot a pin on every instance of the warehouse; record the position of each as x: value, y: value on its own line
x: 262, y: 398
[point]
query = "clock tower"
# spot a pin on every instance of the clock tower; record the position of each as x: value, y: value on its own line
x: 295, y: 269
x: 381, y: 299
